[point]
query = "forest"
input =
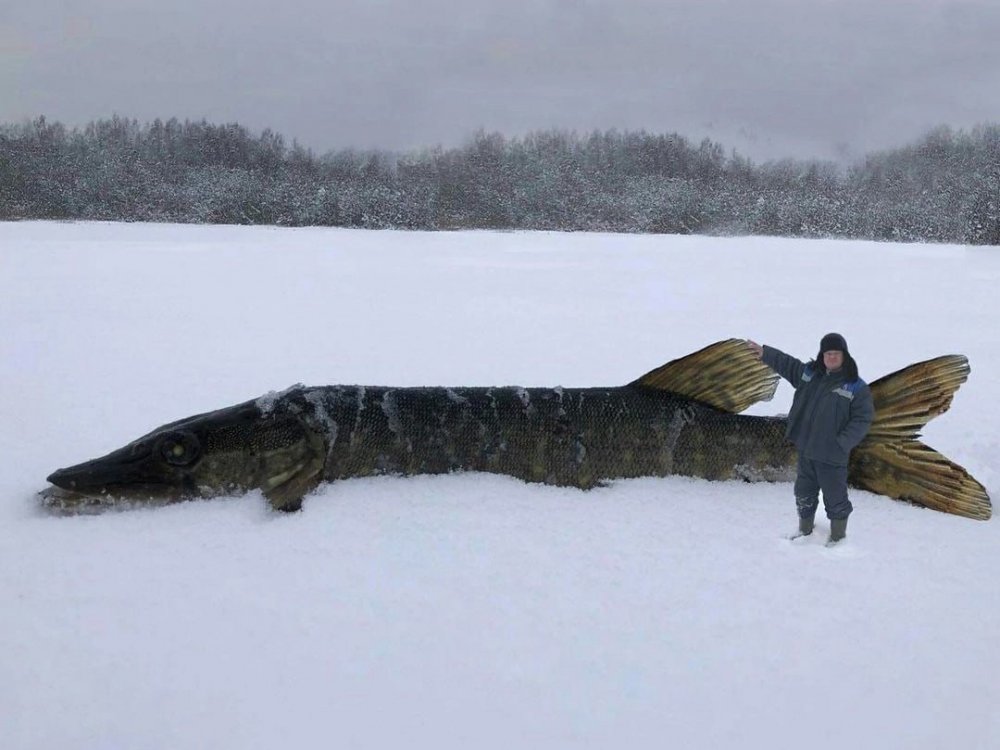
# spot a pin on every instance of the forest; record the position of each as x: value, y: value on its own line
x: 945, y: 187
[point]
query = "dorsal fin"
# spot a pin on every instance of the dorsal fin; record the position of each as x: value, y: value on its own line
x: 726, y: 375
x: 908, y: 399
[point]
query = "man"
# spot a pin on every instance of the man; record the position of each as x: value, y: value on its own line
x: 831, y: 413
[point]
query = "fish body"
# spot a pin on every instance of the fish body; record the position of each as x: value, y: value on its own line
x: 680, y: 419
x: 575, y: 437
x: 287, y: 443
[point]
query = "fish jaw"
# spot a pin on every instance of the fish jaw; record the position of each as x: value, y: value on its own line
x: 57, y: 501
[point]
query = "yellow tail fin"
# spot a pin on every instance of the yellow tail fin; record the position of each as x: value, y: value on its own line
x: 891, y: 461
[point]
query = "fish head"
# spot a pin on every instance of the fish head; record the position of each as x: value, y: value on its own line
x: 229, y: 451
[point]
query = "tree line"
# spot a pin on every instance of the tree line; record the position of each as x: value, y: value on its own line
x: 944, y: 187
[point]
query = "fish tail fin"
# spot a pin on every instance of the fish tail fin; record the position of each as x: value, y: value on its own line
x: 726, y: 375
x: 891, y: 461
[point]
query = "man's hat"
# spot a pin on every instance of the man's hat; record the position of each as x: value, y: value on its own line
x: 833, y: 342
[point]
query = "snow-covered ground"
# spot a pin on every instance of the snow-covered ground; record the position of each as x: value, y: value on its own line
x: 474, y: 611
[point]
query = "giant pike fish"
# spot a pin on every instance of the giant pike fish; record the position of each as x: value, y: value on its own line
x: 680, y: 419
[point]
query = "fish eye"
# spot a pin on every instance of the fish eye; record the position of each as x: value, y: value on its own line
x: 179, y: 448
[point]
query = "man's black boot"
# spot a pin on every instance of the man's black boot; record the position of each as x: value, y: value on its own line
x: 838, y: 530
x: 805, y: 527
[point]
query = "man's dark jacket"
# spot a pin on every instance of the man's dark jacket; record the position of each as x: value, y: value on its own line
x: 829, y: 415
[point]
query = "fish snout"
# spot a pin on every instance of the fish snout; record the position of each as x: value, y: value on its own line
x: 63, y: 478
x: 114, y: 470
x: 82, y: 477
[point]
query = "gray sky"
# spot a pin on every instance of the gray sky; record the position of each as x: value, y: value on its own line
x: 821, y: 78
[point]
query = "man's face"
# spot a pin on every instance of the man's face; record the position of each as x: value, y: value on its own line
x: 833, y: 360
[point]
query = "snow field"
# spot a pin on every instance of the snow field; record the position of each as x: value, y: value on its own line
x: 474, y: 610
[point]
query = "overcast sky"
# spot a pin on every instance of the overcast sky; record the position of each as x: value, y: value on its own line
x: 821, y: 78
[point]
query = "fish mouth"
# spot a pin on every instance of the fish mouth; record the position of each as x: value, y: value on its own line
x: 100, y: 476
x: 60, y: 501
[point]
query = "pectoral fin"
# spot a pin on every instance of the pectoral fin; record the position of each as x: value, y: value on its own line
x: 286, y: 490
x: 294, y: 471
